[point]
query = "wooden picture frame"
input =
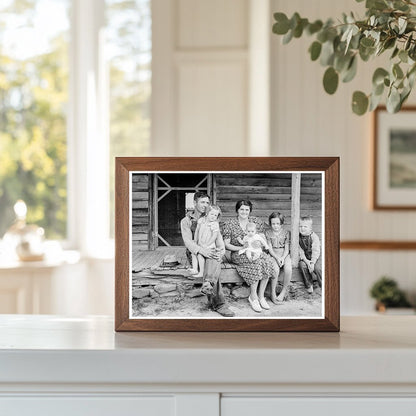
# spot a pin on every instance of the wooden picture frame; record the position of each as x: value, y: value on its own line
x: 225, y: 180
x: 394, y: 158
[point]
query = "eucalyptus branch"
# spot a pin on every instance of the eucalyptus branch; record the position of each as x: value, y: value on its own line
x: 389, y: 25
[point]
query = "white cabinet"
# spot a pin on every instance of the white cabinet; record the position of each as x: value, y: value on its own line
x: 80, y: 366
x: 88, y: 406
x: 323, y: 406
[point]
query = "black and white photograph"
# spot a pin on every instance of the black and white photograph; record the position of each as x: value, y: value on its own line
x: 227, y: 245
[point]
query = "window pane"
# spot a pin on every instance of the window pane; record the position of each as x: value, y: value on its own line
x: 129, y: 45
x: 34, y: 37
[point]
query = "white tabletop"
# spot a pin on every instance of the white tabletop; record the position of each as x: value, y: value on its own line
x: 374, y: 349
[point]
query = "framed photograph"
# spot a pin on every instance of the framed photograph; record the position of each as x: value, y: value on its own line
x: 394, y: 159
x: 227, y: 244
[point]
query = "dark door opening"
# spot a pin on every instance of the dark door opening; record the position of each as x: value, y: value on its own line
x: 172, y: 191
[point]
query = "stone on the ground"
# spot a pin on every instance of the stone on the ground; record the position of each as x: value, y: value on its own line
x: 194, y: 293
x: 165, y: 287
x: 241, y: 292
x: 140, y: 293
x: 153, y: 294
x: 226, y: 291
x: 169, y: 294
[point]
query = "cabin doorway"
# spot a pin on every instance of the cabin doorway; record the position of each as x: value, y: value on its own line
x: 173, y: 197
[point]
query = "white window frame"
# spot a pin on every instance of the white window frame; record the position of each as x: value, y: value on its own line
x: 88, y: 136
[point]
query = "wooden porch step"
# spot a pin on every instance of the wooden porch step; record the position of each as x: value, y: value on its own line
x: 147, y: 270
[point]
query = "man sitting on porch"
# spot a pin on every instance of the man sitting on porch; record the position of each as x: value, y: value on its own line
x: 216, y: 300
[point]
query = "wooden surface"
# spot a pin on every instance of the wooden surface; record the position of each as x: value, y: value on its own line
x: 378, y: 245
x: 330, y: 165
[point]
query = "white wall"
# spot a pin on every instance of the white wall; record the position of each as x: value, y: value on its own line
x: 215, y: 70
x: 306, y: 121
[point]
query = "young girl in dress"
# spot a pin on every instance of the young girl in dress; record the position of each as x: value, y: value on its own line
x: 279, y: 242
x: 206, y: 235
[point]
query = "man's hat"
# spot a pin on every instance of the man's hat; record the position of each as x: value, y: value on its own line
x: 170, y: 260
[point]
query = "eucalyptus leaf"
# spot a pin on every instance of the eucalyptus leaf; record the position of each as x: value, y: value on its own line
x: 403, y: 56
x: 376, y: 4
x: 314, y: 27
x: 327, y: 53
x: 351, y: 70
x: 379, y: 75
x: 374, y: 102
x: 359, y: 103
x: 395, y: 52
x: 367, y: 42
x: 330, y: 80
x: 402, y: 22
x: 408, y: 42
x: 315, y: 50
x: 341, y: 62
x: 393, y: 101
x: 288, y: 37
x: 397, y: 71
x: 281, y: 27
x: 389, y: 43
x: 379, y: 89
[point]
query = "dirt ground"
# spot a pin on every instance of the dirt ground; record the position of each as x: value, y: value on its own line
x: 299, y: 304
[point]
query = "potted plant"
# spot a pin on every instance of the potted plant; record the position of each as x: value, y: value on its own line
x: 389, y: 27
x: 387, y: 294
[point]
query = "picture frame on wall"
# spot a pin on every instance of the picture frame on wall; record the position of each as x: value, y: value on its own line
x: 394, y: 159
x: 227, y: 244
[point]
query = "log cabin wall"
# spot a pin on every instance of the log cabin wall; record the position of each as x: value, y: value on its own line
x: 141, y: 224
x: 311, y: 199
x: 270, y: 193
x: 267, y: 192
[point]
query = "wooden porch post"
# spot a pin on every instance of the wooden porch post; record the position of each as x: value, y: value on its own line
x: 295, y: 218
x: 154, y: 230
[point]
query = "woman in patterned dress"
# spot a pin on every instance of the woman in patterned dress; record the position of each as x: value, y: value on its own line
x: 255, y: 273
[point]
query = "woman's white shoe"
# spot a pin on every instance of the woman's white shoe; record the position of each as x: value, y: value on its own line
x: 264, y: 304
x: 255, y: 305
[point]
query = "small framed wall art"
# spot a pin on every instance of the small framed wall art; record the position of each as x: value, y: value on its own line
x: 227, y: 244
x: 394, y: 159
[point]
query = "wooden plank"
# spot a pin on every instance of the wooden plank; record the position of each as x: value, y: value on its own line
x: 140, y: 204
x: 282, y: 175
x: 274, y: 190
x: 252, y: 181
x: 139, y: 237
x: 140, y: 228
x: 296, y: 178
x: 229, y: 206
x: 139, y: 214
x: 140, y: 178
x: 259, y: 197
x: 227, y: 276
x: 141, y: 221
x: 140, y: 195
x: 254, y: 189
